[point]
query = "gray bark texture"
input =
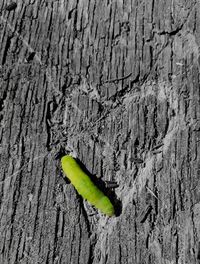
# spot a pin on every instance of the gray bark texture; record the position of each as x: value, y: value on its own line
x: 116, y: 83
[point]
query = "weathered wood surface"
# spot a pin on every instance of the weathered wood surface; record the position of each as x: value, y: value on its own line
x: 117, y: 84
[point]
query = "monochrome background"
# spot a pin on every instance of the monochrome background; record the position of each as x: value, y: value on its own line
x: 116, y: 84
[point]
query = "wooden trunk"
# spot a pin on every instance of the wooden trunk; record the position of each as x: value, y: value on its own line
x: 116, y: 83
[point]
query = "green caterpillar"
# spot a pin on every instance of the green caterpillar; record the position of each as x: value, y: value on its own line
x: 85, y: 187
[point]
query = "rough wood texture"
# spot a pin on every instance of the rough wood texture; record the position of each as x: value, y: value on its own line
x: 117, y: 84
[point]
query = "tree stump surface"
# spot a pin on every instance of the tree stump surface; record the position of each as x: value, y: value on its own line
x: 115, y: 83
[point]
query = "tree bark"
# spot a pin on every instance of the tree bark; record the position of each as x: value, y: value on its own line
x: 115, y: 83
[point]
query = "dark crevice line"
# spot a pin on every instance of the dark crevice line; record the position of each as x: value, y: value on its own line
x: 56, y: 233
x: 85, y: 216
x: 16, y: 196
x: 91, y: 256
x: 71, y: 248
x: 48, y: 126
x: 152, y: 10
x: 47, y: 256
x: 145, y: 112
x: 17, y: 250
x: 79, y: 244
x: 7, y: 46
x: 155, y: 122
x: 63, y: 225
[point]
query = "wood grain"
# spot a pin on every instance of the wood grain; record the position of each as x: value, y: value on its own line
x: 109, y: 81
